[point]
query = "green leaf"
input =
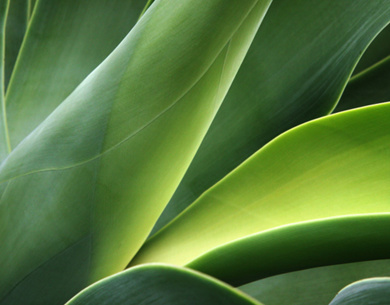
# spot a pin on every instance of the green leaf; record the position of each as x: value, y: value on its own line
x: 375, y: 291
x: 295, y: 71
x: 298, y: 246
x: 4, y: 141
x: 160, y: 284
x: 65, y: 41
x: 376, y: 52
x: 31, y: 7
x: 333, y: 166
x: 369, y: 87
x: 315, y: 286
x: 16, y: 25
x: 98, y: 171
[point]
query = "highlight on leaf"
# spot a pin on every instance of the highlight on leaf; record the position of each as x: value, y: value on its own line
x: 220, y: 142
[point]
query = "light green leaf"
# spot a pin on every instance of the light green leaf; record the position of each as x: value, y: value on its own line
x: 369, y: 87
x: 333, y: 166
x: 98, y: 171
x: 295, y: 71
x: 375, y: 291
x: 160, y: 284
x: 315, y: 286
x: 65, y: 41
x: 299, y: 246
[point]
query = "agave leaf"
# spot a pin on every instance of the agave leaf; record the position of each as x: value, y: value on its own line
x: 65, y: 41
x: 16, y: 25
x: 376, y: 52
x: 160, y: 284
x: 315, y: 286
x: 4, y: 142
x: 98, y: 171
x: 31, y: 6
x: 295, y: 71
x: 299, y: 246
x: 375, y: 291
x: 337, y: 165
x: 368, y: 87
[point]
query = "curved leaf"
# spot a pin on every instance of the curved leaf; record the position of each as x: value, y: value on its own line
x: 316, y: 286
x: 298, y: 246
x: 333, y: 166
x: 160, y: 284
x: 65, y: 41
x: 295, y: 71
x: 4, y: 141
x: 367, y: 88
x: 99, y: 170
x: 378, y: 50
x: 375, y: 291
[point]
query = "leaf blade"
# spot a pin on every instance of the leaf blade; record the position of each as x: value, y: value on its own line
x: 160, y: 284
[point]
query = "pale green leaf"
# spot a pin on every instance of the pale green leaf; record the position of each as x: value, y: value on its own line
x: 333, y: 166
x: 374, y: 291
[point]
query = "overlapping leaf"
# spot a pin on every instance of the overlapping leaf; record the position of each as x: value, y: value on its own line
x: 375, y: 291
x: 337, y: 165
x: 298, y: 246
x: 66, y: 40
x: 295, y: 71
x: 369, y: 87
x: 160, y: 284
x: 316, y: 286
x: 98, y: 171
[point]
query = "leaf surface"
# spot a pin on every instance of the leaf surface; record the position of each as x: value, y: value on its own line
x: 299, y: 246
x: 316, y: 286
x: 16, y: 25
x: 378, y: 50
x: 160, y: 284
x: 369, y: 87
x: 333, y: 166
x: 65, y: 41
x: 99, y: 170
x: 375, y: 291
x: 295, y: 71
x: 4, y: 143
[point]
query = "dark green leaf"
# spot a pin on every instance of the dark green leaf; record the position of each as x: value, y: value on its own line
x: 66, y: 40
x: 160, y: 284
x: 298, y: 246
x: 376, y: 52
x: 99, y: 170
x: 4, y: 141
x: 316, y: 286
x: 367, y: 88
x: 295, y: 71
x: 16, y: 25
